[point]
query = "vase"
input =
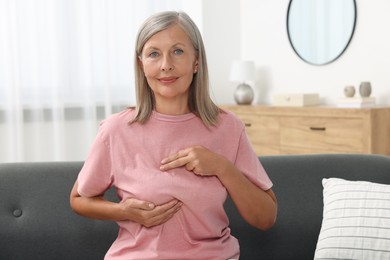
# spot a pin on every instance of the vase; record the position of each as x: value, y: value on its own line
x: 365, y: 89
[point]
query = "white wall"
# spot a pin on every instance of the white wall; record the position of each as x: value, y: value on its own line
x: 221, y: 30
x: 256, y: 30
x: 264, y: 39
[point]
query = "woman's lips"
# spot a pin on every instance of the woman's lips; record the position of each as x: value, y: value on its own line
x: 167, y: 80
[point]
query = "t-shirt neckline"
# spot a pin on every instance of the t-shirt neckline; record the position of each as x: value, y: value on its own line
x: 172, y: 118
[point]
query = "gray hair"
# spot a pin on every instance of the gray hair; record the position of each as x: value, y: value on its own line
x: 199, y: 101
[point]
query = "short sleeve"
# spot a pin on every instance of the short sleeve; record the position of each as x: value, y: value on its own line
x: 250, y: 165
x: 95, y: 176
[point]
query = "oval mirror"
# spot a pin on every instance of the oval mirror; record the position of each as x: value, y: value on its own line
x: 320, y: 30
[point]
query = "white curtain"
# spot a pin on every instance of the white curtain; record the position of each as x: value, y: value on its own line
x: 64, y: 66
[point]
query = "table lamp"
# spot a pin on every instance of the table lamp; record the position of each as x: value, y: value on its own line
x: 243, y: 71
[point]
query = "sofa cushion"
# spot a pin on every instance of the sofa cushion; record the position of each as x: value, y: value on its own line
x: 356, y: 220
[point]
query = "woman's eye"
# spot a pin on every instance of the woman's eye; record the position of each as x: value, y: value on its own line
x: 153, y: 54
x: 178, y: 51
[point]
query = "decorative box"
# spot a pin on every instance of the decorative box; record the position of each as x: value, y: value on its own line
x: 296, y: 99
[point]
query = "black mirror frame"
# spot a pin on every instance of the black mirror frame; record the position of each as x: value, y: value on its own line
x: 332, y: 60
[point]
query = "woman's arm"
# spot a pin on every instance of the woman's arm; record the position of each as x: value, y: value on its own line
x: 142, y: 212
x: 256, y: 206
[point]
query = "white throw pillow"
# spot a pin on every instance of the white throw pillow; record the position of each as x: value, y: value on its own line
x: 356, y: 220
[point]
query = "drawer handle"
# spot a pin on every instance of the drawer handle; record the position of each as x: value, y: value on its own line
x: 317, y: 128
x: 248, y: 124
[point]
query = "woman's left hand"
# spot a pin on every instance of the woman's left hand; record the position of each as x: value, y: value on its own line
x: 197, y: 159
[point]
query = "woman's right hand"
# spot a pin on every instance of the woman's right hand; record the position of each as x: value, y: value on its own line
x: 132, y: 209
x: 148, y: 214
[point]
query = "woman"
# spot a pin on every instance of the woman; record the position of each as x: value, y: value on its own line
x: 174, y: 158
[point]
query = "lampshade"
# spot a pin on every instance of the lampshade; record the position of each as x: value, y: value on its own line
x: 242, y: 71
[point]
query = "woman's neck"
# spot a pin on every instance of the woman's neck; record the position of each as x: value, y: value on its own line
x: 171, y: 109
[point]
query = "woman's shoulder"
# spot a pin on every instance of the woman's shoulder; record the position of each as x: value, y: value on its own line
x: 228, y: 115
x: 118, y: 120
x: 229, y: 118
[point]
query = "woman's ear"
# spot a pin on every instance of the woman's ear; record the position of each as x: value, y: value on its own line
x: 140, y: 64
x: 196, y: 66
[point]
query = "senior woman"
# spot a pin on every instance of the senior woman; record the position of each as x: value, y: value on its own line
x: 174, y: 158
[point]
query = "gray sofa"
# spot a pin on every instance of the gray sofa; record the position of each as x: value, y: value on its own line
x: 36, y: 221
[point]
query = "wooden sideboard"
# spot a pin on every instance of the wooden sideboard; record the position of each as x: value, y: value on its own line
x: 307, y: 130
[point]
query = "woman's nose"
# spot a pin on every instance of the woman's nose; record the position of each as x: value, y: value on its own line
x: 166, y: 64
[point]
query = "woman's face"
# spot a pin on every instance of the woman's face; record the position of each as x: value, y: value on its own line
x: 169, y: 62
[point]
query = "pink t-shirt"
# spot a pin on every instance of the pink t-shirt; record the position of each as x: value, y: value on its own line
x: 128, y: 157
